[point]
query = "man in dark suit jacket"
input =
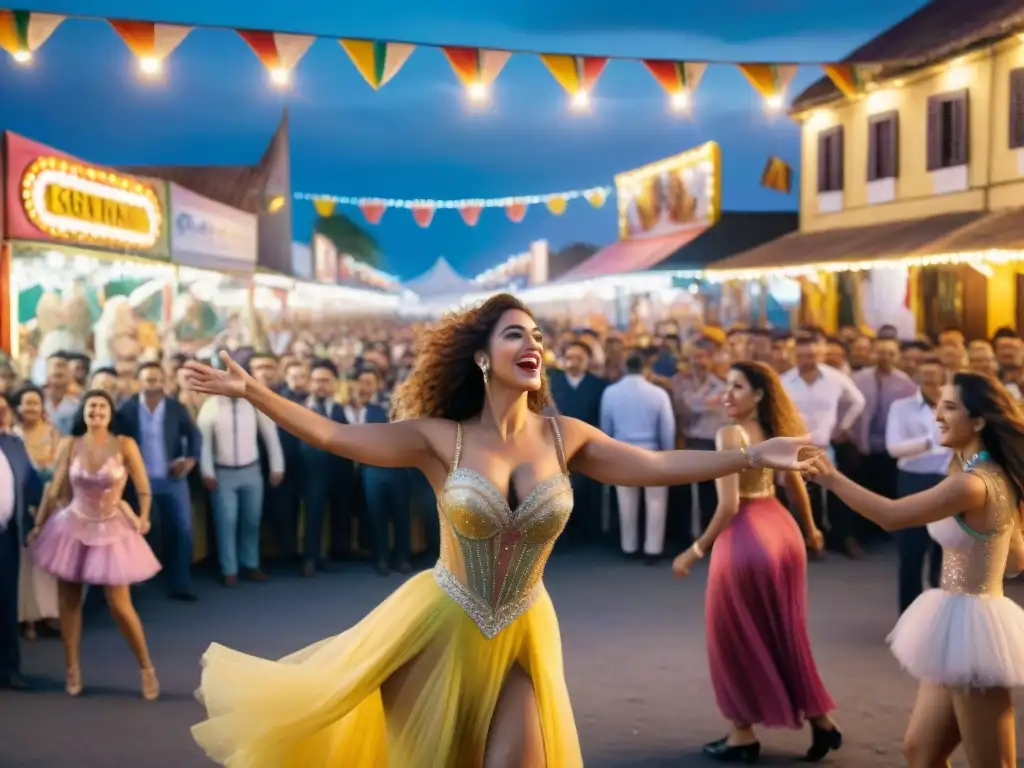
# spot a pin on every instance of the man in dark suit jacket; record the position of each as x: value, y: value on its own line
x: 577, y: 394
x: 170, y: 446
x: 386, y: 489
x: 326, y: 478
x: 20, y: 489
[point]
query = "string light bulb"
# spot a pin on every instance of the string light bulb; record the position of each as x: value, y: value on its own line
x: 150, y: 66
x: 280, y: 77
x: 478, y: 92
x: 681, y: 101
x: 774, y: 102
x: 22, y: 57
x: 581, y: 100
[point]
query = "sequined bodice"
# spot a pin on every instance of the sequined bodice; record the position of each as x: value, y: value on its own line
x: 755, y: 483
x: 95, y: 495
x: 492, y: 556
x: 974, y: 563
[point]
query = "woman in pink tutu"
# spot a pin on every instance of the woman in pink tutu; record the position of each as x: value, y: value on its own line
x: 86, y: 533
x: 759, y: 651
x: 962, y: 642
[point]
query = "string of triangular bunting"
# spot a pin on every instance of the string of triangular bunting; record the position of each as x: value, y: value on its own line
x: 423, y: 211
x: 22, y: 34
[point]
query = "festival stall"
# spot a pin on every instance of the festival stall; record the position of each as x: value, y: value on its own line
x: 79, y: 239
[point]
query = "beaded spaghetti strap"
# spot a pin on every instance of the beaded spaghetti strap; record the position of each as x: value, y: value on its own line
x: 458, y: 447
x: 559, y: 448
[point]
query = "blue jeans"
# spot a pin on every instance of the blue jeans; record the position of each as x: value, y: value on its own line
x: 237, y: 509
x: 173, y: 523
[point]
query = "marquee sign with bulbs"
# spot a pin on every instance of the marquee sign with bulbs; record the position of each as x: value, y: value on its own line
x: 57, y: 198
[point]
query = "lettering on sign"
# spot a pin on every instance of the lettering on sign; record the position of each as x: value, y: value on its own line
x: 73, y: 202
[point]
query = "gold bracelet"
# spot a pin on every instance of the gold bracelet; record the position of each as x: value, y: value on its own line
x: 747, y: 457
x: 698, y: 550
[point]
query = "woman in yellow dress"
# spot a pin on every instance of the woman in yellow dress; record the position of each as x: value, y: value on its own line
x: 461, y: 666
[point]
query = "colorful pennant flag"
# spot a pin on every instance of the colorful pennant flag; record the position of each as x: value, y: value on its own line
x: 516, y: 212
x: 323, y: 206
x: 557, y: 205
x: 679, y: 78
x: 423, y: 214
x: 851, y: 79
x: 279, y: 52
x: 769, y: 80
x: 576, y: 74
x: 377, y: 61
x: 777, y: 175
x: 148, y: 41
x: 597, y: 197
x: 23, y: 32
x: 470, y: 214
x: 373, y: 210
x: 476, y: 67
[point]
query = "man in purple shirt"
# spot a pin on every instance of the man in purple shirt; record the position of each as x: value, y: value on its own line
x: 882, y: 384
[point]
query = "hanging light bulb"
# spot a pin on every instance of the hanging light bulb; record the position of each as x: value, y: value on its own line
x: 22, y: 57
x: 150, y: 66
x: 581, y: 100
x: 774, y: 102
x: 681, y: 101
x: 478, y: 92
x: 280, y: 77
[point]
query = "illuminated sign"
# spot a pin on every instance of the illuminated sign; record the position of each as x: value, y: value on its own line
x: 74, y: 202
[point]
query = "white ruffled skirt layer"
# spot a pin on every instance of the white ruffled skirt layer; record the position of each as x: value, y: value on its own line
x: 961, y: 640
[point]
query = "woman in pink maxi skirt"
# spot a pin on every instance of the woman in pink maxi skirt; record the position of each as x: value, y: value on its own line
x: 759, y: 651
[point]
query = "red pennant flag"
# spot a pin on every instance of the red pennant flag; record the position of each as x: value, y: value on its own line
x: 423, y: 214
x: 516, y: 212
x: 373, y: 210
x: 470, y: 214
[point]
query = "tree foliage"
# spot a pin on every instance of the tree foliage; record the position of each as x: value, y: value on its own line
x: 350, y: 238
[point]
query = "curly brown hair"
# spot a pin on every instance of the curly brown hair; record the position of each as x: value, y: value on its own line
x: 776, y: 413
x: 446, y: 382
x: 985, y: 397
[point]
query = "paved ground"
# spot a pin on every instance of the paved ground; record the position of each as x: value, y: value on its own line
x: 634, y: 648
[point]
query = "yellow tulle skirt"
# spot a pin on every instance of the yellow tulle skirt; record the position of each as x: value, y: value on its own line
x: 322, y: 706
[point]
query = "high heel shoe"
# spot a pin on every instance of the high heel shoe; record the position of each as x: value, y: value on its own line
x: 73, y: 681
x: 150, y: 684
x: 724, y: 752
x: 823, y: 741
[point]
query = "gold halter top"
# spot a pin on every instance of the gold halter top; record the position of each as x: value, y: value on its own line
x: 493, y: 556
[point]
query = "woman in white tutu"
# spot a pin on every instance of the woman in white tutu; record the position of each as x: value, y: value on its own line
x: 963, y: 642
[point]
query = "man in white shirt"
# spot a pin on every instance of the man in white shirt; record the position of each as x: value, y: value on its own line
x: 230, y: 467
x: 640, y: 413
x: 912, y: 438
x: 830, y: 404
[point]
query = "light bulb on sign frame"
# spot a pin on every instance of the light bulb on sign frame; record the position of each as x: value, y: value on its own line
x: 681, y: 101
x: 581, y: 101
x: 22, y: 57
x: 280, y: 77
x: 150, y: 66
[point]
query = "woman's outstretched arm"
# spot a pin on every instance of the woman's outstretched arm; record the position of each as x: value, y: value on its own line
x: 611, y: 462
x: 398, y: 444
x: 958, y: 493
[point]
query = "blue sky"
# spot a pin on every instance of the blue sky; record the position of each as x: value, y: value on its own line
x: 415, y: 138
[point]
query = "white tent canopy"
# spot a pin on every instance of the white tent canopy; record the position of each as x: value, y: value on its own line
x: 440, y: 280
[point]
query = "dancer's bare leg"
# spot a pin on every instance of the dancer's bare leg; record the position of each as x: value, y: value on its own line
x: 515, y: 738
x: 69, y: 605
x: 740, y: 735
x: 932, y: 733
x: 119, y: 600
x: 987, y: 725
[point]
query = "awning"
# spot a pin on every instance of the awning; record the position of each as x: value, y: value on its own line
x: 1000, y: 231
x: 630, y: 256
x: 846, y: 248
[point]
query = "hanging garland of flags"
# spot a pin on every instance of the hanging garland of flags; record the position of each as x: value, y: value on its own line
x: 515, y: 207
x: 22, y: 33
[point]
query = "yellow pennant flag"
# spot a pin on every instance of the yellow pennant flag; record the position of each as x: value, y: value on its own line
x: 777, y: 175
x: 324, y: 206
x: 557, y: 205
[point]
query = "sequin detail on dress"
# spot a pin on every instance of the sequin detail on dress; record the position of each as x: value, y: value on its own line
x: 493, y: 557
x: 754, y: 483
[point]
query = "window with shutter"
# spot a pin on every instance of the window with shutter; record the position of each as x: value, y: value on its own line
x: 830, y: 160
x: 883, y: 146
x: 948, y: 130
x: 1017, y: 108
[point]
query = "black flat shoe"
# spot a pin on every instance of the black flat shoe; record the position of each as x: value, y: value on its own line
x: 724, y: 752
x: 823, y: 741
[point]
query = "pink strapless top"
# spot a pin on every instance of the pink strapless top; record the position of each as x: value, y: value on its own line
x: 96, y: 496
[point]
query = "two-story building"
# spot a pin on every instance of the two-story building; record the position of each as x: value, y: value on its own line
x: 912, y: 190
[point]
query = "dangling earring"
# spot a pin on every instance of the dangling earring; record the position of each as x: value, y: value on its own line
x: 484, y: 369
